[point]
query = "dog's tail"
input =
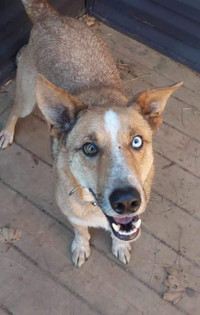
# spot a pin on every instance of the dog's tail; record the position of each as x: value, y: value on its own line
x: 37, y: 9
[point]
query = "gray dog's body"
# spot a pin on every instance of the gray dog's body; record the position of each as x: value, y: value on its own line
x: 70, y: 62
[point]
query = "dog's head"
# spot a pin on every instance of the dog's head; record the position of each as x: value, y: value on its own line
x: 108, y: 149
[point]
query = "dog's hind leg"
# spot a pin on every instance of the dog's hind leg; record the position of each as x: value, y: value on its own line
x: 24, y: 101
x: 80, y: 246
x: 121, y: 250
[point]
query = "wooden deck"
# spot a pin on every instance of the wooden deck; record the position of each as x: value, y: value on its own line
x: 36, y: 273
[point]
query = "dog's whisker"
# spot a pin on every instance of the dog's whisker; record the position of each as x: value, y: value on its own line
x: 75, y: 188
x: 94, y: 203
x: 73, y: 191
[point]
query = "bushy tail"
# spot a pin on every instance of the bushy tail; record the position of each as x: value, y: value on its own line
x: 37, y: 9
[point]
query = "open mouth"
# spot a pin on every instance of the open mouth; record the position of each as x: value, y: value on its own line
x: 126, y: 228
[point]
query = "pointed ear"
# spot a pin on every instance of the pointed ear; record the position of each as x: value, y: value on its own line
x: 151, y: 103
x: 58, y: 107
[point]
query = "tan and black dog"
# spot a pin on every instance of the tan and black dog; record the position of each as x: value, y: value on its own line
x: 103, y: 157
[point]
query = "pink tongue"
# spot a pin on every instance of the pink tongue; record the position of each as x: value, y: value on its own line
x: 123, y: 220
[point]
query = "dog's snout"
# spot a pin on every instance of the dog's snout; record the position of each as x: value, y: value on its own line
x: 125, y: 200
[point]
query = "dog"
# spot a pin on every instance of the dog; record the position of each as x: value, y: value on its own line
x: 102, y: 141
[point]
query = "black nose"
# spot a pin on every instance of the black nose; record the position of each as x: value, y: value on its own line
x: 125, y: 200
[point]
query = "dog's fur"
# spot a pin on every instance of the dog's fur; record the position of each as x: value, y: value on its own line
x: 71, y: 74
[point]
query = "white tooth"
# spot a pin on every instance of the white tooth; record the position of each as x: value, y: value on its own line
x: 116, y: 227
x: 132, y: 231
x: 137, y: 224
x: 123, y: 232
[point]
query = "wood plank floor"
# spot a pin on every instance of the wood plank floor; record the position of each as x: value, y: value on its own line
x: 36, y: 274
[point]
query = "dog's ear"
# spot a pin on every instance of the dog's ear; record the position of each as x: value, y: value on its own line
x: 58, y: 107
x: 151, y: 103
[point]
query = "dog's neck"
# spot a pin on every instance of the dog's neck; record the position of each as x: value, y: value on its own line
x: 103, y: 96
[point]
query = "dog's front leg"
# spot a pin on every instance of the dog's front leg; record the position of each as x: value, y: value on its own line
x: 121, y: 250
x: 80, y: 246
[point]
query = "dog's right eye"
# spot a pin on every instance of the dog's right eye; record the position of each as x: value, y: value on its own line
x: 90, y: 149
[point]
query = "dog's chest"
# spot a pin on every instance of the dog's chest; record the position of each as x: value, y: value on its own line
x: 96, y: 220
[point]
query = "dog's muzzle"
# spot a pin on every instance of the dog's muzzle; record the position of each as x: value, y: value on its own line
x: 125, y: 202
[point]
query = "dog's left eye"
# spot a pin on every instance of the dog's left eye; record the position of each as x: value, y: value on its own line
x: 137, y: 142
x: 90, y: 149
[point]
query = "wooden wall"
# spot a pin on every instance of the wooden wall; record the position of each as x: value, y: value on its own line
x: 169, y: 26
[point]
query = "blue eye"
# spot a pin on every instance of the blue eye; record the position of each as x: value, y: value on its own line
x: 90, y: 149
x: 137, y: 142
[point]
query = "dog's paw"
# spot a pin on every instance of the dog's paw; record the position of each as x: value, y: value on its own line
x: 80, y: 253
x: 6, y: 138
x: 122, y: 251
